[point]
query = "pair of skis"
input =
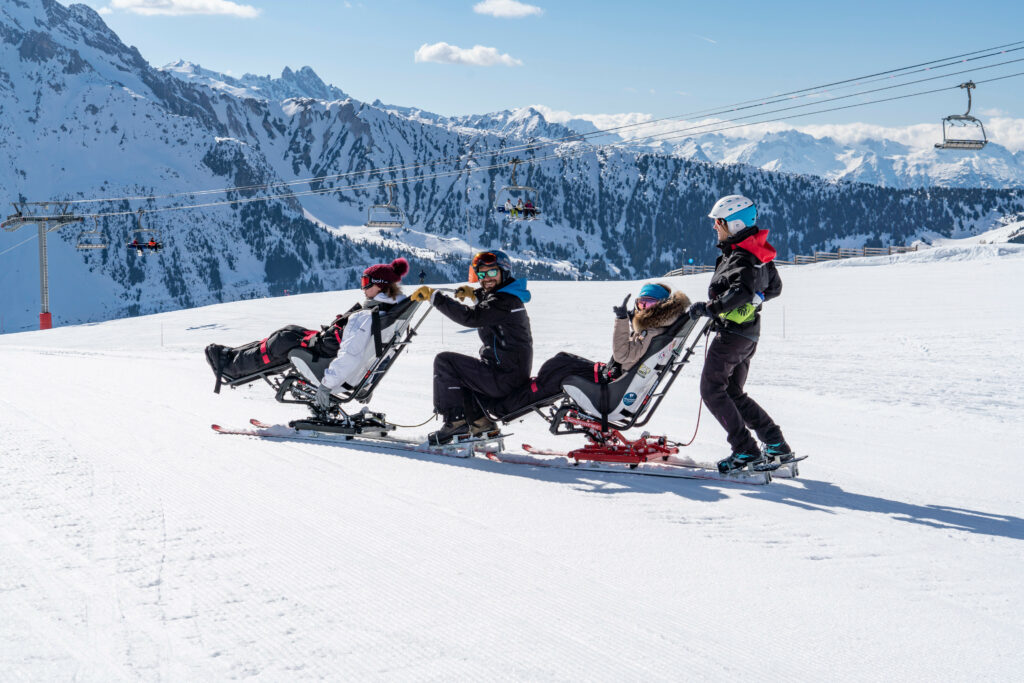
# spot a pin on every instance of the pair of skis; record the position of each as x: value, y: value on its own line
x: 493, y: 448
x: 464, y: 448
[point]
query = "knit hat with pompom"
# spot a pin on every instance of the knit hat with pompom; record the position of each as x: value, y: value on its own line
x: 387, y: 272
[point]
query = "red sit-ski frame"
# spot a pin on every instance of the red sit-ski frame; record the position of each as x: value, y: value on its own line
x: 612, y: 446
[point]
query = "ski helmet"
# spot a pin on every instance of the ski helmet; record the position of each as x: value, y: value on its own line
x: 491, y: 258
x: 737, y: 211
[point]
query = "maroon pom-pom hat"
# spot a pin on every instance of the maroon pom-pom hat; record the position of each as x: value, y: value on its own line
x: 383, y: 273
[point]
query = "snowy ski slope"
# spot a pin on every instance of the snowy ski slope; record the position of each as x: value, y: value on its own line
x: 137, y: 544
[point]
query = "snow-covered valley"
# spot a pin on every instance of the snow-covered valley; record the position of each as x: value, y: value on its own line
x: 135, y: 543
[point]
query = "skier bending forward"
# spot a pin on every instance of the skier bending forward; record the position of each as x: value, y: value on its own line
x: 506, y: 356
x: 744, y: 278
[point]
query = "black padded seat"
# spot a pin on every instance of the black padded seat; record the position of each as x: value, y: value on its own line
x: 618, y: 389
x: 259, y: 374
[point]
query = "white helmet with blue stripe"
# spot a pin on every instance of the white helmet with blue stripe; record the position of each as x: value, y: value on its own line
x: 737, y: 211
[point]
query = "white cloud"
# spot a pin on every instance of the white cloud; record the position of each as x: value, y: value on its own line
x: 105, y: 10
x: 478, y: 55
x: 713, y: 42
x: 506, y: 9
x: 183, y: 7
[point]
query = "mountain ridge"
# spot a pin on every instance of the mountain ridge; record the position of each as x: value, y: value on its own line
x: 91, y: 119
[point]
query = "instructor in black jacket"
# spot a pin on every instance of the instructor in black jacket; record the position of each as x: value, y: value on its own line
x: 506, y: 356
x: 744, y: 278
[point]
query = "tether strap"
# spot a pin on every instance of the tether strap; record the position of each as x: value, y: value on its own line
x: 263, y: 350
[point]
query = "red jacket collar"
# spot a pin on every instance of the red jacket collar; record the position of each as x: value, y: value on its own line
x: 757, y: 244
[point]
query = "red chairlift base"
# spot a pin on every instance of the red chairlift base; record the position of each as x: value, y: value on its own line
x: 612, y: 446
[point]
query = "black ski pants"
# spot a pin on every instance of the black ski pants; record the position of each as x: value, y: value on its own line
x: 457, y: 377
x: 721, y: 387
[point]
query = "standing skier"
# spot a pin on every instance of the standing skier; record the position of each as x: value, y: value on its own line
x: 506, y: 356
x: 744, y: 278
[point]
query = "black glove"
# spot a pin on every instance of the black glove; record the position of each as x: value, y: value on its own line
x: 698, y: 309
x: 622, y: 311
x: 323, y: 397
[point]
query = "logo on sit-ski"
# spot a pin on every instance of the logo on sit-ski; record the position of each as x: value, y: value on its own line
x: 643, y: 371
x: 630, y: 398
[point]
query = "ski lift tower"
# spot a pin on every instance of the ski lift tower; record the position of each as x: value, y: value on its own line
x: 23, y: 215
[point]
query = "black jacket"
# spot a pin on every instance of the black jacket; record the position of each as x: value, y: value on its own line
x: 502, y: 323
x: 745, y: 267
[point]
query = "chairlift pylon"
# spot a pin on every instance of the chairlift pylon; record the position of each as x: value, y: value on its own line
x: 388, y: 215
x: 145, y: 239
x: 965, y: 121
x: 91, y: 239
x: 512, y: 194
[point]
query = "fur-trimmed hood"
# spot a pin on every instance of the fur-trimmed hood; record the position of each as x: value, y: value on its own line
x: 663, y: 313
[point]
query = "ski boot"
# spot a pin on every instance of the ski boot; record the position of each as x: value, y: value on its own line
x: 737, y: 461
x: 779, y: 452
x: 216, y: 356
x: 484, y: 427
x: 448, y: 432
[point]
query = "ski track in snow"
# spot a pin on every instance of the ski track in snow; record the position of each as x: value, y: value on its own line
x: 138, y: 544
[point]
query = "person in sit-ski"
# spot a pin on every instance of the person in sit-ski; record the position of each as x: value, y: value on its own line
x: 745, y: 277
x: 506, y: 356
x: 655, y: 310
x: 347, y: 339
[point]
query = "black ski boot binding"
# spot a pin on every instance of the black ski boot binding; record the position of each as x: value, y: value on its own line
x: 738, y: 461
x: 448, y: 432
x: 779, y: 452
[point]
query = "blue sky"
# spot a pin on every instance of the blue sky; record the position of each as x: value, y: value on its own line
x: 599, y: 56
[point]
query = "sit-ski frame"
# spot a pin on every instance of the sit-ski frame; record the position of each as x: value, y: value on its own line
x: 606, y: 442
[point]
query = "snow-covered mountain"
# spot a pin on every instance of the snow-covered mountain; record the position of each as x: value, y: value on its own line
x: 858, y: 158
x: 301, y: 83
x: 879, y: 162
x: 136, y: 544
x: 84, y: 117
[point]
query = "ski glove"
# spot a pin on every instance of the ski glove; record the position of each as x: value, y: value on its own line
x: 465, y: 292
x: 622, y: 311
x: 422, y: 293
x: 698, y: 309
x: 323, y: 397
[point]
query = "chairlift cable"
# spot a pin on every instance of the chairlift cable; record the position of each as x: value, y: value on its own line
x: 849, y: 106
x: 860, y: 80
x: 530, y: 146
x: 811, y: 104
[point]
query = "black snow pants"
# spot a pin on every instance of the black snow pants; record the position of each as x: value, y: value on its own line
x: 245, y: 360
x: 721, y: 387
x: 547, y: 383
x: 457, y: 377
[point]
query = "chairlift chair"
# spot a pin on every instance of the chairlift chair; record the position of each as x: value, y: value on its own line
x: 962, y: 121
x: 145, y: 238
x: 515, y: 192
x: 388, y: 215
x: 91, y: 239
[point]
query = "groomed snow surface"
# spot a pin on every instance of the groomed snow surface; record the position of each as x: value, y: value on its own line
x: 135, y: 543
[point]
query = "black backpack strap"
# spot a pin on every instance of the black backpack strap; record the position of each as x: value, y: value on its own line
x: 375, y: 329
x: 604, y: 407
